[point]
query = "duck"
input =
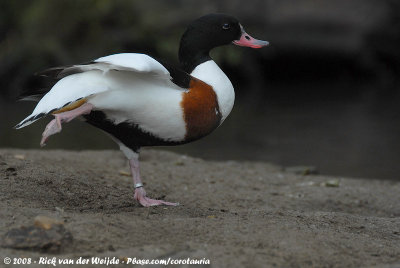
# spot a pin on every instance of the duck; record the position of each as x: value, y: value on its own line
x: 140, y: 101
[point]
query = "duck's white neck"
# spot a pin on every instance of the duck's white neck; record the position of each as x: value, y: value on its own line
x: 210, y: 73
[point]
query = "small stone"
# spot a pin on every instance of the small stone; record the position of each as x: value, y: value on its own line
x: 60, y: 210
x: 19, y: 156
x: 46, y: 223
x: 38, y: 239
x: 331, y: 183
x: 124, y: 173
x: 307, y: 183
x: 302, y: 170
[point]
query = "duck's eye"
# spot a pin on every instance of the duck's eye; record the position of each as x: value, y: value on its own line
x: 226, y: 26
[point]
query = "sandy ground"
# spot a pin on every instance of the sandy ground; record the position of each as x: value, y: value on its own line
x: 235, y: 214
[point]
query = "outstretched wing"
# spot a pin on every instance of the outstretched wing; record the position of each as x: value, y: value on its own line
x: 78, y: 82
x: 135, y: 62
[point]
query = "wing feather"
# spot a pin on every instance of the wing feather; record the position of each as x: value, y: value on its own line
x: 80, y: 81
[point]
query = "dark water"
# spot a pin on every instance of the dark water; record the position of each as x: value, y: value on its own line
x: 346, y: 136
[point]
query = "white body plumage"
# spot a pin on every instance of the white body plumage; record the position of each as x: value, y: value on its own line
x: 135, y: 88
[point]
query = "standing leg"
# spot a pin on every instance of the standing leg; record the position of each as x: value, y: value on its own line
x: 140, y: 193
x: 55, y: 125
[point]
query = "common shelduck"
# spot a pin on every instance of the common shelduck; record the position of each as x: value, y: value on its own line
x: 142, y: 102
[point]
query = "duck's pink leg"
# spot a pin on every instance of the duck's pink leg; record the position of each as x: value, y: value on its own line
x: 140, y: 193
x: 55, y: 125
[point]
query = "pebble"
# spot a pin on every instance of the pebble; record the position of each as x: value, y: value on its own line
x: 19, y: 156
x: 302, y: 170
x: 46, y: 235
x: 46, y: 223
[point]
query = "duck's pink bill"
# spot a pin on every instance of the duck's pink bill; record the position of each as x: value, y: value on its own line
x: 247, y: 41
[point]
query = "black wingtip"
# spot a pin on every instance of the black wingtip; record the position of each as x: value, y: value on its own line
x: 35, y: 98
x: 51, y: 72
x: 17, y: 126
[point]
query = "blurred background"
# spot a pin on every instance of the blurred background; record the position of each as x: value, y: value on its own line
x: 325, y: 93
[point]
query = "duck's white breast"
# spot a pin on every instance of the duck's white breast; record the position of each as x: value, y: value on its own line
x: 210, y: 73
